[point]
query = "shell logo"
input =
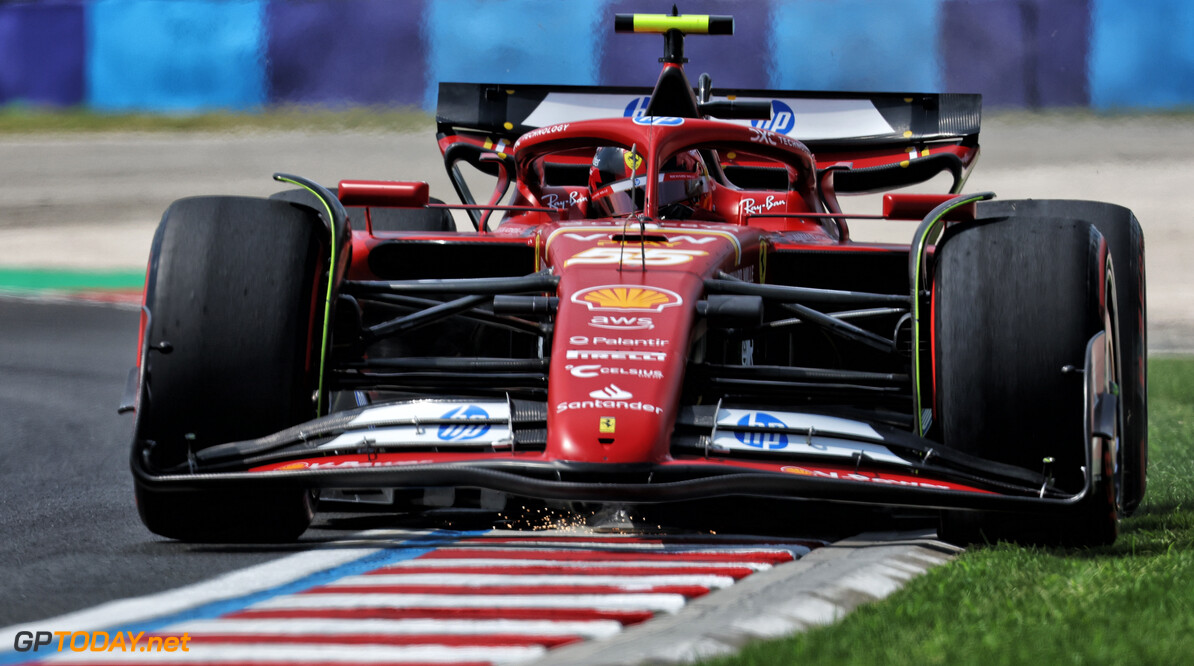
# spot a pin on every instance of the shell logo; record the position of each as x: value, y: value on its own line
x: 619, y: 297
x: 293, y: 465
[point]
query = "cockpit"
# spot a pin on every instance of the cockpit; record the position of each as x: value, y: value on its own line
x: 706, y: 172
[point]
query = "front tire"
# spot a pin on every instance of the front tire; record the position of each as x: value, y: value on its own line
x: 1016, y: 301
x: 233, y: 294
x: 1125, y: 240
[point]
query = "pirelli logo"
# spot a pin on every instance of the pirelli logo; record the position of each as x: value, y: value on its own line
x: 608, y: 355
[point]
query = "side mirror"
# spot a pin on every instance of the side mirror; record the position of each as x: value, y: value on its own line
x: 384, y: 193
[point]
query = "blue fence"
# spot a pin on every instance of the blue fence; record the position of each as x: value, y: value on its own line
x: 181, y: 55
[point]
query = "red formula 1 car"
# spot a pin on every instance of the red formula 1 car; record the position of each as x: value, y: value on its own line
x: 660, y: 301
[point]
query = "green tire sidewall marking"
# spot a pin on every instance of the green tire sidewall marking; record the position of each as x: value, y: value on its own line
x: 327, y: 301
x: 933, y: 228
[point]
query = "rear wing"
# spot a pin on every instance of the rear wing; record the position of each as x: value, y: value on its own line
x: 824, y: 121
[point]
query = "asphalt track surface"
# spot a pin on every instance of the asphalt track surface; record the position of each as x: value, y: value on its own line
x: 72, y: 538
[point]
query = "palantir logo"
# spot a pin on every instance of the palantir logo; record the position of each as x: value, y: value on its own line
x: 459, y: 432
x: 782, y: 119
x: 762, y: 440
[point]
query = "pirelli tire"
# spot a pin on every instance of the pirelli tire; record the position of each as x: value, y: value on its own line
x: 234, y: 320
x: 1016, y: 301
x: 1125, y: 239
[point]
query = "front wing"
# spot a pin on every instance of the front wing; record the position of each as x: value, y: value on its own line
x: 715, y: 452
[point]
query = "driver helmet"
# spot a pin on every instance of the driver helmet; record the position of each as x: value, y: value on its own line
x: 684, y: 186
x: 617, y: 185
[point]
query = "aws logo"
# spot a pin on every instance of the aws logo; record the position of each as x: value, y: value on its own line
x: 623, y: 298
x: 619, y: 323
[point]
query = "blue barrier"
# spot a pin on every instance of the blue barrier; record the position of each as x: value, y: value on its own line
x: 186, y: 55
x: 179, y: 55
x: 515, y: 41
x: 856, y: 45
x: 1017, y: 53
x: 41, y: 53
x: 333, y: 53
x: 1142, y: 54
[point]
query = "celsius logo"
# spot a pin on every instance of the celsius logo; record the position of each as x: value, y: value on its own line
x: 596, y: 370
x: 459, y: 432
x: 636, y: 107
x: 762, y: 440
x: 782, y: 119
x: 611, y: 392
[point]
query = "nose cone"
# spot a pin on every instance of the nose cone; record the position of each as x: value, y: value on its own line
x: 617, y: 363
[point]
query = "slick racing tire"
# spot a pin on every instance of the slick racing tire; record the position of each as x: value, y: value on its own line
x: 233, y: 296
x: 383, y: 219
x: 1015, y: 303
x: 1126, y: 242
x: 240, y: 515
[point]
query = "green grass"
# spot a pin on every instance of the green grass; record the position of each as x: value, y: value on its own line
x: 1130, y: 603
x: 17, y: 119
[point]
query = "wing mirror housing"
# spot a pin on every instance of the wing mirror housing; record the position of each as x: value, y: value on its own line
x: 384, y: 193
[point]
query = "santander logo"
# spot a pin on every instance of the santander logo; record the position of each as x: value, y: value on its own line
x: 611, y: 392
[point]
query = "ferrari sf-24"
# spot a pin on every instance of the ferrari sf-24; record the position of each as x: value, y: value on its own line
x: 659, y: 302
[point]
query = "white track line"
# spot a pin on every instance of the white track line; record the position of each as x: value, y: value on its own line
x: 314, y: 653
x: 311, y: 627
x: 666, y: 603
x: 495, y: 563
x: 494, y: 580
x: 555, y: 549
x: 623, y: 543
x: 232, y: 585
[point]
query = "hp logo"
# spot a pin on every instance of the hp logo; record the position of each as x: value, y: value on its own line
x: 459, y: 432
x: 637, y: 107
x: 767, y: 441
x: 782, y: 119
